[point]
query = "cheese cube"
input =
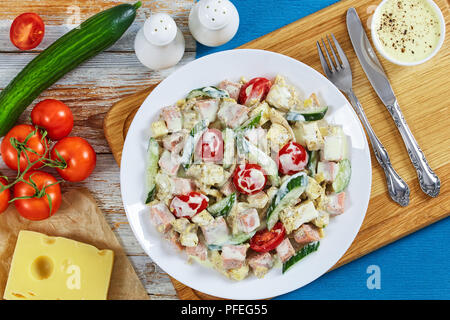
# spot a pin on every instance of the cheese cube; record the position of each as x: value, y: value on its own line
x: 308, y: 134
x: 56, y: 268
x: 159, y: 129
x: 294, y: 218
x: 282, y: 95
x: 335, y: 148
x: 313, y: 190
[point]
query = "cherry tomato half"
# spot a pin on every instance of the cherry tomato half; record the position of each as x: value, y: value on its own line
x: 54, y: 116
x: 5, y: 196
x: 37, y: 207
x: 249, y: 178
x: 292, y: 158
x: 35, y: 142
x: 27, y: 31
x: 188, y: 205
x: 210, y: 146
x: 265, y: 240
x: 254, y: 91
x: 79, y: 156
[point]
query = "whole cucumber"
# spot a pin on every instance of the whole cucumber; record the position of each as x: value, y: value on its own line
x: 90, y: 38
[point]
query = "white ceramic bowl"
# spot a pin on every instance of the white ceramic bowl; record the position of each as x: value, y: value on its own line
x: 210, y: 70
x: 380, y: 49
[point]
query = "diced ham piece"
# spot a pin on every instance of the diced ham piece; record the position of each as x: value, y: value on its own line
x: 200, y: 251
x: 233, y: 256
x: 169, y: 163
x: 261, y: 263
x: 174, y: 239
x: 208, y: 108
x: 232, y: 114
x: 182, y: 185
x: 228, y: 188
x: 336, y: 203
x: 306, y: 233
x: 328, y: 169
x: 232, y: 88
x: 161, y: 217
x: 248, y: 220
x: 174, y: 141
x: 172, y: 117
x: 215, y: 231
x: 285, y: 250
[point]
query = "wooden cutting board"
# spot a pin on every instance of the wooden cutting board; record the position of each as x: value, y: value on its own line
x: 422, y: 92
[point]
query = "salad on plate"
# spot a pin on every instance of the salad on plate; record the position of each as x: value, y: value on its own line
x: 244, y: 176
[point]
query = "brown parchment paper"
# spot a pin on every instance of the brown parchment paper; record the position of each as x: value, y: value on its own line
x: 79, y: 219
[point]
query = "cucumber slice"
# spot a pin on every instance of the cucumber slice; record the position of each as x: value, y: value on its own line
x: 152, y: 169
x: 303, y: 252
x: 312, y: 114
x: 233, y: 240
x: 343, y: 176
x: 228, y: 148
x: 255, y: 155
x: 209, y: 92
x: 223, y: 207
x: 250, y: 123
x: 313, y: 159
x: 288, y: 193
x: 191, y: 141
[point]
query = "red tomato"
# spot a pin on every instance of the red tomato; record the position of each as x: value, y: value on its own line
x: 27, y: 31
x: 292, y: 158
x: 254, y: 91
x: 35, y: 142
x: 249, y: 178
x: 188, y: 205
x: 79, y: 157
x: 265, y: 240
x: 54, y: 116
x: 5, y: 196
x: 210, y: 146
x: 37, y: 207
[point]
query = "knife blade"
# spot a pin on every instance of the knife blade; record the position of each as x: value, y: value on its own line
x: 368, y: 59
x: 428, y: 180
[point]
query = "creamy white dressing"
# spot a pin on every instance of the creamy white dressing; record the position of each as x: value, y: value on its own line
x: 182, y: 207
x: 408, y: 30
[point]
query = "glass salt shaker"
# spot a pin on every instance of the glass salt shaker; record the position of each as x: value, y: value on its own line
x: 213, y: 22
x: 159, y: 44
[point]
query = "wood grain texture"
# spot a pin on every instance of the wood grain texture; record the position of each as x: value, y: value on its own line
x: 90, y: 90
x: 424, y: 105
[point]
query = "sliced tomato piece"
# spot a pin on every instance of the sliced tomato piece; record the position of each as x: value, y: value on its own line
x: 27, y: 31
x: 210, y: 146
x: 249, y: 178
x: 188, y: 205
x: 265, y: 240
x: 254, y: 91
x: 292, y: 158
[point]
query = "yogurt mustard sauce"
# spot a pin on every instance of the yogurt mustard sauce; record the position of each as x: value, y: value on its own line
x: 408, y: 30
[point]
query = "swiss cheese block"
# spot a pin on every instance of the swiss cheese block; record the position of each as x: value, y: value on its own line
x: 56, y: 268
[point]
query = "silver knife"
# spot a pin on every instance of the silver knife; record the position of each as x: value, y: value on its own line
x: 428, y: 180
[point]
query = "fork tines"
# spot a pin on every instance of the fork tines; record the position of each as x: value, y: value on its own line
x: 336, y: 64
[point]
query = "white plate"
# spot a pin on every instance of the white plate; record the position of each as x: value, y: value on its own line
x: 210, y: 70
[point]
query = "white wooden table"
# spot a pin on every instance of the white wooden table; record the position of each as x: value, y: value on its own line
x: 90, y: 90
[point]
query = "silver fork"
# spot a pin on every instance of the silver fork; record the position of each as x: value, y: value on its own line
x: 340, y: 74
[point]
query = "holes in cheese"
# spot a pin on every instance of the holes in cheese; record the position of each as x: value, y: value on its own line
x: 42, y: 268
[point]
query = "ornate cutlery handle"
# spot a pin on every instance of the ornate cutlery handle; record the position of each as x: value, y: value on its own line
x: 397, y: 187
x: 428, y: 180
